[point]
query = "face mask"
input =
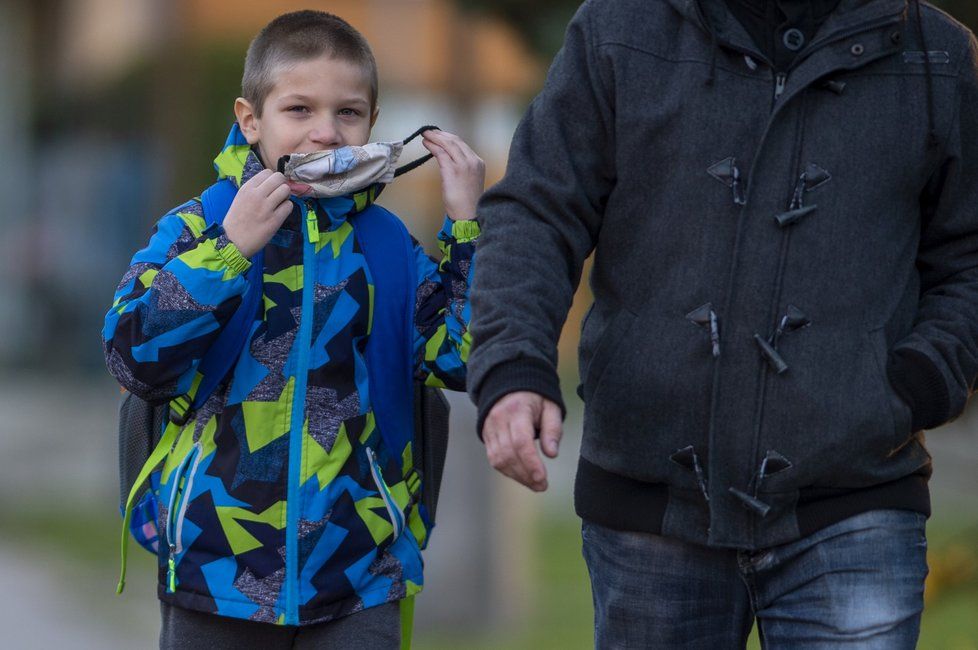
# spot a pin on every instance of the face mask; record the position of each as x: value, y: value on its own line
x: 348, y: 169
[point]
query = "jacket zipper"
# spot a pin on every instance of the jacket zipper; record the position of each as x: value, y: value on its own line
x: 773, y: 360
x: 781, y: 78
x: 780, y: 81
x: 304, y: 341
x: 397, y: 519
x: 175, y: 514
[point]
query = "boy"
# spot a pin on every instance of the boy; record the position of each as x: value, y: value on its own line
x: 283, y: 505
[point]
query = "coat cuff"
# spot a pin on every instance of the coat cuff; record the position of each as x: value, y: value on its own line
x: 524, y: 374
x: 461, y: 231
x: 921, y: 385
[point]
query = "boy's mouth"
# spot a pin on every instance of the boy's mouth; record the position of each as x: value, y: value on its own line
x: 299, y: 189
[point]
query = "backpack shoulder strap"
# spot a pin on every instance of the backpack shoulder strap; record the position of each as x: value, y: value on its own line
x: 389, y: 251
x: 216, y: 201
x: 223, y: 353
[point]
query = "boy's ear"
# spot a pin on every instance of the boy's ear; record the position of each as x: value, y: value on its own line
x: 244, y: 112
x: 373, y: 117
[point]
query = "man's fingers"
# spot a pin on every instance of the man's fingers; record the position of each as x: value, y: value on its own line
x: 528, y: 459
x: 509, y: 433
x: 551, y: 429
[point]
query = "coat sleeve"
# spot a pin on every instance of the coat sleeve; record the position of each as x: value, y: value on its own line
x: 935, y: 368
x: 541, y: 222
x: 442, y: 311
x: 171, y: 304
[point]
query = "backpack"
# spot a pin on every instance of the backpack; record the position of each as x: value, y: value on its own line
x: 147, y: 431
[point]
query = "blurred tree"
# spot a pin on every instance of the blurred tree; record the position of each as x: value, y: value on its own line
x: 540, y: 24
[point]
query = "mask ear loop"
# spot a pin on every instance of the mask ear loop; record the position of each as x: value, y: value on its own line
x: 420, y: 161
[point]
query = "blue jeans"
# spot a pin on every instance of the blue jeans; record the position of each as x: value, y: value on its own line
x: 856, y: 584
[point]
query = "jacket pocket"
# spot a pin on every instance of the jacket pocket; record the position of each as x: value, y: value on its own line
x: 394, y: 512
x: 647, y: 394
x: 899, y: 410
x: 180, y: 491
x: 834, y: 416
x: 600, y: 340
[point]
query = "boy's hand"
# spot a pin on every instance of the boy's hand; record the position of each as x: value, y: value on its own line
x: 463, y: 174
x: 510, y: 431
x: 257, y: 212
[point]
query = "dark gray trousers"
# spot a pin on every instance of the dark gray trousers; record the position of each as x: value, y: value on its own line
x: 376, y: 628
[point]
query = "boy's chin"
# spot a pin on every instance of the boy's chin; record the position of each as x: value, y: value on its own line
x: 300, y: 189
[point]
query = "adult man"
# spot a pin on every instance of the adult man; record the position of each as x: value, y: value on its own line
x: 782, y: 202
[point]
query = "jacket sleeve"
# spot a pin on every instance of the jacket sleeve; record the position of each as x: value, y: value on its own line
x: 171, y: 304
x: 541, y: 222
x: 442, y: 311
x: 935, y: 368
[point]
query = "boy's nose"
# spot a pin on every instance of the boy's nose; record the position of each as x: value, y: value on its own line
x: 326, y: 134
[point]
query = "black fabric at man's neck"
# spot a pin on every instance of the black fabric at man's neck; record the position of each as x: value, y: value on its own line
x: 781, y: 28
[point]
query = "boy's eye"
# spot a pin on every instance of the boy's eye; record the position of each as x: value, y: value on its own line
x: 297, y: 109
x: 349, y: 111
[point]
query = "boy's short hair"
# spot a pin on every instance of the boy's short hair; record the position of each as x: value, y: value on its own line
x: 299, y: 36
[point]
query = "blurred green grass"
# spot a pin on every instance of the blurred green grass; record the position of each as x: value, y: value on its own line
x: 86, y: 546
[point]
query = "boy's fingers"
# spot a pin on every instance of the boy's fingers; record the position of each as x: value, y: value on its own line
x: 258, y: 178
x: 447, y: 144
x: 274, y: 181
x: 280, y: 195
x: 459, y: 146
x: 450, y: 145
x: 282, y: 211
x: 436, y: 150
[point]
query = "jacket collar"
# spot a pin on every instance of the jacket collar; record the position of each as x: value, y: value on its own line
x: 848, y: 16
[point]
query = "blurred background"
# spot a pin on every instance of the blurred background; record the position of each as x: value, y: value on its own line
x: 110, y: 114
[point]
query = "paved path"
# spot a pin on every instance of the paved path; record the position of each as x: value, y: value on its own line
x: 58, y: 445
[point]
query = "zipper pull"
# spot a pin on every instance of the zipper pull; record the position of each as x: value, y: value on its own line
x: 171, y: 570
x: 312, y: 225
x: 780, y: 81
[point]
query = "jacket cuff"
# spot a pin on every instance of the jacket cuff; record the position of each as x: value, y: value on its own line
x: 461, y: 231
x: 524, y: 374
x: 921, y: 385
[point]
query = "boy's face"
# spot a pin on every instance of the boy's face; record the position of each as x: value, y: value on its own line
x: 315, y: 105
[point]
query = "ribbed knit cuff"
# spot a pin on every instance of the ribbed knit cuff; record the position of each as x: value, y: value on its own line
x: 461, y: 231
x: 921, y: 385
x: 531, y: 375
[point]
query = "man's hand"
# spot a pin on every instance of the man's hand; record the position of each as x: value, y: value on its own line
x: 463, y: 174
x: 258, y: 211
x: 510, y: 436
